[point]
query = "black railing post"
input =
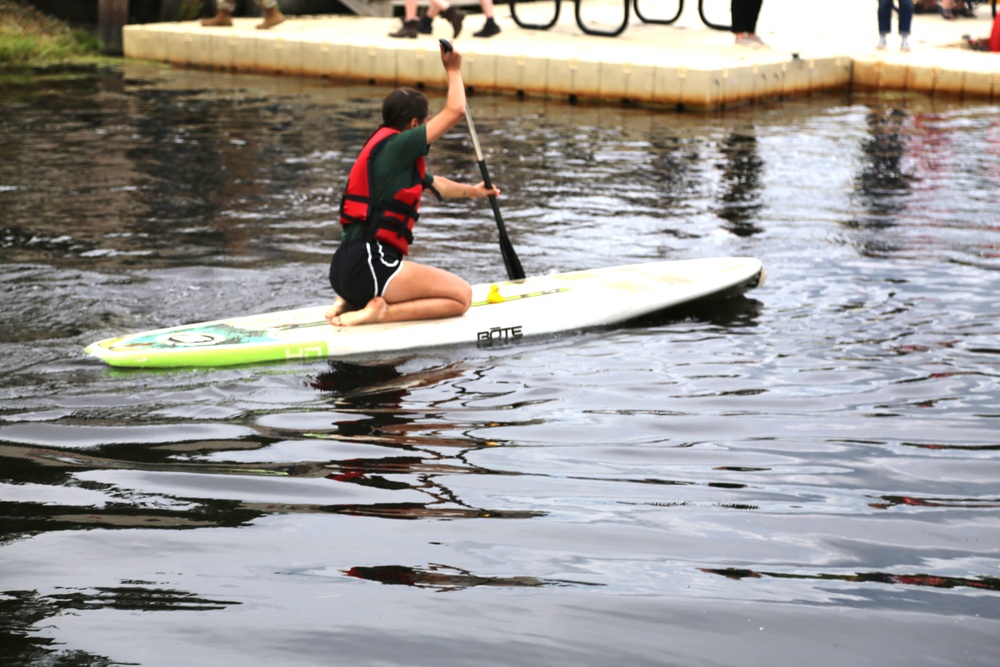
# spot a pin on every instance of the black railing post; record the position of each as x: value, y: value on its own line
x: 716, y: 26
x: 680, y: 10
x: 600, y: 33
x: 533, y: 26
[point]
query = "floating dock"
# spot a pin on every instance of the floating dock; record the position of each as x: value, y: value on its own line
x: 688, y: 64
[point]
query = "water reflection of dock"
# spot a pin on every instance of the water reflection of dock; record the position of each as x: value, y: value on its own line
x: 687, y: 64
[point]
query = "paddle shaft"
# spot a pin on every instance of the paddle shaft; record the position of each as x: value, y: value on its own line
x: 510, y: 258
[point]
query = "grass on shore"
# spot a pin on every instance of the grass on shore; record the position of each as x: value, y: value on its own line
x: 29, y: 37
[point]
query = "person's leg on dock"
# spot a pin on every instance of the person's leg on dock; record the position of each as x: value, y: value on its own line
x: 411, y: 27
x: 272, y: 14
x: 905, y: 22
x: 884, y: 22
x: 454, y: 15
x: 223, y: 15
x: 744, y: 19
x: 490, y: 28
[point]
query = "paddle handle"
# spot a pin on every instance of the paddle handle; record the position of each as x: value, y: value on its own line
x: 510, y: 258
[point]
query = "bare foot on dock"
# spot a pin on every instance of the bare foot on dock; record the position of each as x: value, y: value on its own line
x: 374, y: 311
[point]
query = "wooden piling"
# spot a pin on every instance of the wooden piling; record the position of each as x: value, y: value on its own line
x: 112, y: 15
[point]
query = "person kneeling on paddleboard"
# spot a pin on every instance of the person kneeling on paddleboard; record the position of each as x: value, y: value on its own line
x: 379, y: 208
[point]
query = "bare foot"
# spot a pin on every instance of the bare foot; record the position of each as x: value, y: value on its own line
x: 374, y: 311
x: 339, y: 306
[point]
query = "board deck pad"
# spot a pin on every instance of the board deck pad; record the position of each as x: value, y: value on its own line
x: 533, y: 306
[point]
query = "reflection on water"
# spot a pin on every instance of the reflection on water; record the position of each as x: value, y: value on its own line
x: 21, y: 612
x: 991, y: 583
x: 742, y: 173
x: 883, y: 185
x: 167, y: 175
x: 444, y: 578
x: 827, y: 442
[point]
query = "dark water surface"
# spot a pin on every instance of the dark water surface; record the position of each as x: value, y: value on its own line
x: 805, y: 475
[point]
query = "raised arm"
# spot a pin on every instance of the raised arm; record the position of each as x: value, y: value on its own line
x: 454, y: 107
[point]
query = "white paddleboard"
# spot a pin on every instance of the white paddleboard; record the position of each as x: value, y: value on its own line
x: 518, y: 309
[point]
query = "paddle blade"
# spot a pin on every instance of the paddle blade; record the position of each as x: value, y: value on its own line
x: 510, y: 258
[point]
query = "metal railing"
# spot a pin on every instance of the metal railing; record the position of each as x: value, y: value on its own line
x: 633, y: 4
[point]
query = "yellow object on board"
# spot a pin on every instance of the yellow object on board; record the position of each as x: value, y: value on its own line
x: 494, y: 296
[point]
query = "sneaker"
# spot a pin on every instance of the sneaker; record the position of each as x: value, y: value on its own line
x: 424, y: 27
x: 881, y: 46
x: 751, y: 40
x: 410, y: 29
x: 272, y: 17
x: 490, y: 28
x: 220, y: 20
x: 905, y: 44
x: 455, y: 16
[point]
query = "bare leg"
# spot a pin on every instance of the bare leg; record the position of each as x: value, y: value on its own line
x: 437, y: 6
x: 421, y: 292
x: 454, y: 15
x: 417, y: 292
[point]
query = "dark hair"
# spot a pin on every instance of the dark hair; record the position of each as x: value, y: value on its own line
x: 403, y: 105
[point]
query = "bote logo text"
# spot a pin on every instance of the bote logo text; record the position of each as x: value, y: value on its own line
x: 499, y: 335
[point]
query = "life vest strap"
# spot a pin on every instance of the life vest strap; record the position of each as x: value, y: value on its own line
x: 378, y: 220
x: 433, y: 189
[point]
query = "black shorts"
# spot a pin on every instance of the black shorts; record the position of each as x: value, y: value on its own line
x: 360, y: 271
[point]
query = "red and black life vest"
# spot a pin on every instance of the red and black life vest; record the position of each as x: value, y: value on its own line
x: 390, y: 221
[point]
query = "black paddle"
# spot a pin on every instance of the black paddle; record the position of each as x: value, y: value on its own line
x: 510, y: 260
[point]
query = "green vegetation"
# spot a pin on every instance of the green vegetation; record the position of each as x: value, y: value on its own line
x: 190, y: 10
x: 30, y: 38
